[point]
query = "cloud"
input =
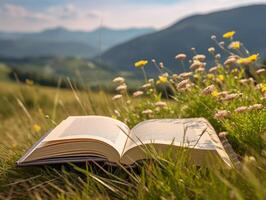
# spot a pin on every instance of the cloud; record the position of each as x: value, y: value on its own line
x: 87, y: 15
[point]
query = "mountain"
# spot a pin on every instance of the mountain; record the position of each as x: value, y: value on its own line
x: 63, y: 42
x: 194, y: 31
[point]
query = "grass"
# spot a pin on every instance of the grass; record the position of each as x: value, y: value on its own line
x: 202, y: 95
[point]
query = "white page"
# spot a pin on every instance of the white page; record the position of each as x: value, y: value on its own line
x: 180, y: 132
x: 101, y: 128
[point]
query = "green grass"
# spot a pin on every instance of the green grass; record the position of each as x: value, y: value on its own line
x: 163, y: 177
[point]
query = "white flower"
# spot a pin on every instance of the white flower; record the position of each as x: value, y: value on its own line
x: 213, y: 37
x: 195, y: 65
x: 230, y: 61
x: 148, y: 111
x: 182, y: 84
x: 211, y: 50
x: 256, y: 107
x: 181, y: 56
x: 230, y: 97
x: 116, y: 97
x: 185, y: 75
x: 145, y: 86
x: 213, y: 69
x: 222, y: 114
x: 208, y: 90
x: 121, y: 87
x: 199, y: 57
x: 160, y: 104
x: 241, y: 109
x: 260, y: 71
x: 119, y: 80
x: 137, y: 93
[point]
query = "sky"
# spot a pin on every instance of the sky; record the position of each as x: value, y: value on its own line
x: 36, y: 15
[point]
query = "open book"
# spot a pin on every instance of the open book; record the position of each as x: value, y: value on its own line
x: 84, y: 138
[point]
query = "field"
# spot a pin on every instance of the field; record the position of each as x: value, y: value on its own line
x: 232, y: 96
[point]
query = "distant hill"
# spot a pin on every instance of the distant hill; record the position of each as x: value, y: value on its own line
x: 194, y: 31
x: 63, y: 42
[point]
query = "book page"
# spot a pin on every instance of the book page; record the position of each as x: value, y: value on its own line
x: 179, y: 132
x: 105, y: 129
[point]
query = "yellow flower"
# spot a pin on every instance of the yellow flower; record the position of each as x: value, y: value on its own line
x: 215, y: 93
x: 253, y: 57
x: 220, y: 77
x: 29, y: 82
x: 210, y: 76
x: 235, y: 45
x: 262, y: 88
x: 36, y: 128
x: 140, y: 63
x: 248, y: 60
x: 162, y: 80
x: 229, y: 34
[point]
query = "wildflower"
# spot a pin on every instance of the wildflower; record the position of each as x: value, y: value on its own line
x: 260, y: 71
x: 140, y: 63
x: 256, y: 107
x: 145, y: 86
x: 213, y: 69
x: 160, y: 104
x: 241, y: 109
x: 222, y: 114
x: 119, y: 80
x: 185, y: 75
x: 220, y: 77
x: 262, y: 87
x: 218, y: 56
x: 116, y: 97
x: 151, y: 80
x: 161, y: 65
x: 229, y: 34
x: 36, y: 128
x: 182, y: 84
x: 215, y: 93
x: 213, y: 37
x: 230, y: 97
x: 29, y: 82
x: 199, y: 57
x: 195, y: 65
x: 210, y: 76
x: 175, y: 76
x: 244, y: 81
x: 211, y: 50
x: 201, y: 69
x: 117, y: 113
x: 223, y: 93
x: 208, y: 90
x: 234, y: 45
x: 137, y: 93
x: 253, y: 57
x: 122, y: 87
x: 162, y: 80
x: 230, y: 61
x: 181, y: 57
x: 248, y: 60
x: 148, y: 111
x: 221, y: 43
x: 193, y: 49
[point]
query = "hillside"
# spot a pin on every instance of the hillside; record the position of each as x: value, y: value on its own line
x: 63, y: 42
x: 47, y: 70
x: 194, y: 31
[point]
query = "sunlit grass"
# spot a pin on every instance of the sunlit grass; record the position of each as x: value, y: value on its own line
x: 225, y: 95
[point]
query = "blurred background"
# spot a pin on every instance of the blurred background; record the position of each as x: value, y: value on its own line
x: 93, y: 41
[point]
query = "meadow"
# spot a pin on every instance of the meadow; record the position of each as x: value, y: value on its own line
x: 231, y: 94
